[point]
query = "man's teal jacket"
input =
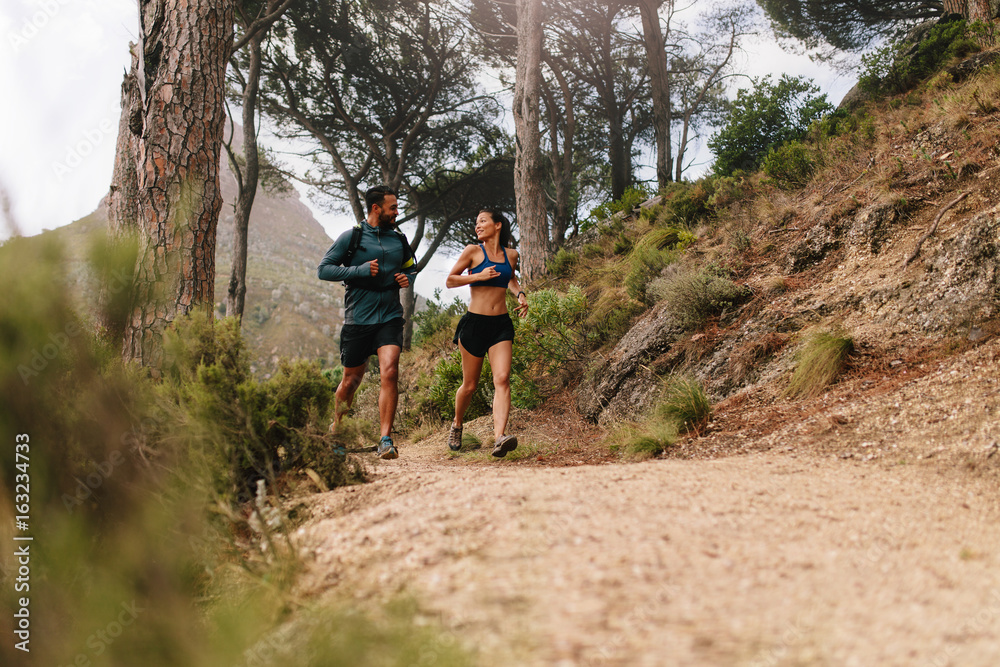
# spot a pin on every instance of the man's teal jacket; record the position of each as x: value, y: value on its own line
x: 369, y: 299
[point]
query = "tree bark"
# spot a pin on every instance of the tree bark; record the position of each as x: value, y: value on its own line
x: 973, y: 10
x: 529, y: 171
x: 560, y: 154
x: 123, y: 200
x: 659, y: 80
x: 180, y: 74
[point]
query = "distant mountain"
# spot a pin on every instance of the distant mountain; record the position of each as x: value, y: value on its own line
x: 288, y: 312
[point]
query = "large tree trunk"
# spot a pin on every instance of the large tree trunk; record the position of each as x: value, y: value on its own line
x: 178, y: 125
x: 529, y: 171
x: 560, y: 156
x: 973, y: 9
x: 619, y: 155
x: 236, y: 295
x: 115, y: 296
x: 659, y: 79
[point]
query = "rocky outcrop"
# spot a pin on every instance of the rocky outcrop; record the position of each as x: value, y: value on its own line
x: 623, y: 386
x: 960, y: 283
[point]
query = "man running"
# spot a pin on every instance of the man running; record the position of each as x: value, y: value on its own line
x: 373, y: 271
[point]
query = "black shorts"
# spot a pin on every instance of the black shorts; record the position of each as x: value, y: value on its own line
x: 360, y: 341
x: 479, y: 333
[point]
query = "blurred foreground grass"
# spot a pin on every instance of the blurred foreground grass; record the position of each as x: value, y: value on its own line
x: 152, y: 543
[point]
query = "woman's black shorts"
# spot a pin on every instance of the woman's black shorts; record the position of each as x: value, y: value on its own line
x: 478, y: 333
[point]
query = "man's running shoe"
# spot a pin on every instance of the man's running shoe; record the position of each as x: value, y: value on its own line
x: 386, y: 450
x: 455, y: 438
x: 505, y: 444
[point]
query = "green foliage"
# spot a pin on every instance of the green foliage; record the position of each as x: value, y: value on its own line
x: 550, y: 339
x: 820, y: 361
x: 334, y: 375
x: 847, y: 26
x: 447, y: 380
x: 789, y: 166
x: 685, y: 404
x: 593, y: 251
x: 687, y: 203
x: 694, y: 296
x: 138, y: 545
x: 645, y: 264
x: 563, y: 262
x: 653, y: 252
x: 639, y: 442
x: 438, y: 316
x: 623, y: 244
x: 611, y: 324
x: 727, y: 191
x: 248, y: 429
x: 633, y: 196
x: 765, y: 117
x: 899, y: 66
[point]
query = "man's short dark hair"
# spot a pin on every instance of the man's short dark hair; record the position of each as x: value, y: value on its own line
x: 376, y: 194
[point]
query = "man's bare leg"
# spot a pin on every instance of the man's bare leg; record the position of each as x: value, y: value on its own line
x: 344, y: 397
x: 388, y: 394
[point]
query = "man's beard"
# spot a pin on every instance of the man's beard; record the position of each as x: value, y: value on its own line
x: 385, y: 221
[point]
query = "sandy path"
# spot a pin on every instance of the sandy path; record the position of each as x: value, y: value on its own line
x: 766, y: 559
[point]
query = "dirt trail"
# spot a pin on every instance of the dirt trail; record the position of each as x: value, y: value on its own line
x: 796, y: 557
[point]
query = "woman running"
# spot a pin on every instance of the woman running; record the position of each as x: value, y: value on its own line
x: 487, y: 327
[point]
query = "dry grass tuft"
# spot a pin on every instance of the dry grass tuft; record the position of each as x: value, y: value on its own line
x: 820, y: 361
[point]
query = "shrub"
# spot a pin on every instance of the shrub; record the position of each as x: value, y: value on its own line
x: 247, y: 430
x: 650, y: 255
x: 437, y: 316
x: 789, y: 165
x: 640, y: 442
x: 645, y: 264
x: 632, y: 197
x: 685, y: 404
x: 562, y: 262
x: 728, y: 191
x: 447, y: 380
x: 764, y: 117
x: 899, y: 66
x: 693, y: 297
x: 651, y: 442
x: 623, y: 244
x: 549, y: 341
x: 820, y: 361
x: 687, y: 203
x: 610, y: 324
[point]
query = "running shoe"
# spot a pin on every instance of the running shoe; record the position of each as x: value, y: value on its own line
x: 506, y: 443
x: 455, y: 438
x: 386, y: 450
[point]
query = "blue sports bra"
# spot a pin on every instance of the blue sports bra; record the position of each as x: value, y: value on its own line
x: 505, y: 269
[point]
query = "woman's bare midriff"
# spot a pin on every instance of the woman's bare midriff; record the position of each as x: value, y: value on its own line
x: 488, y: 300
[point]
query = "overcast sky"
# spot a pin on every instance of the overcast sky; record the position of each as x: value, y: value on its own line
x: 61, y: 68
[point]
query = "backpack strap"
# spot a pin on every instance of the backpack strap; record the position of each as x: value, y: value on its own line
x: 408, y: 259
x: 353, y: 246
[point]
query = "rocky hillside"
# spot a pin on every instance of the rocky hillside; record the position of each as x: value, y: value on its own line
x: 289, y: 312
x: 892, y: 243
